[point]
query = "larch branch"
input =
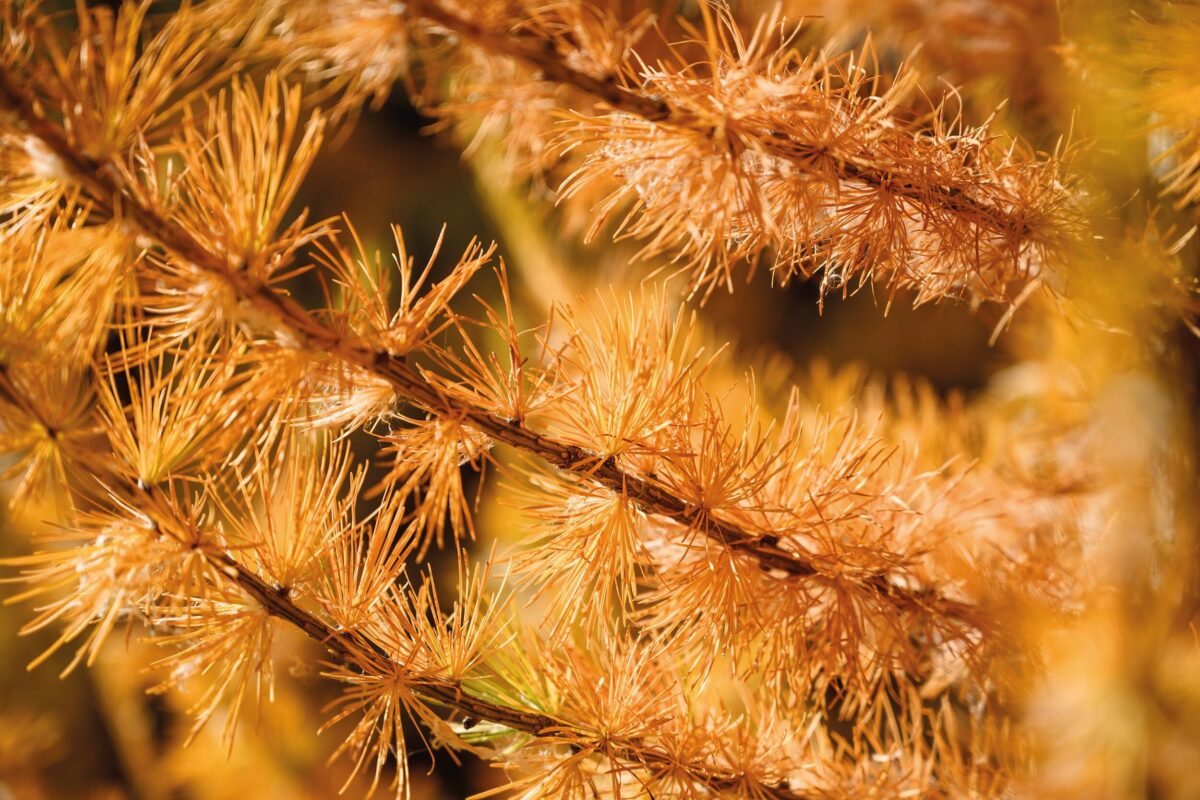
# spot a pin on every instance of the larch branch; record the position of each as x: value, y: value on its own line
x: 348, y: 649
x: 540, y: 54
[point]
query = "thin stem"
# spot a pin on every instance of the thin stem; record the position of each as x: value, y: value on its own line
x: 540, y: 54
x: 451, y: 694
x: 350, y: 647
x: 109, y: 189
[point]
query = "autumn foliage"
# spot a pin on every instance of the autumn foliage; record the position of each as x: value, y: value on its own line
x: 723, y: 577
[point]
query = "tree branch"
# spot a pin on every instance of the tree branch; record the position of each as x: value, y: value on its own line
x: 348, y: 647
x: 539, y: 54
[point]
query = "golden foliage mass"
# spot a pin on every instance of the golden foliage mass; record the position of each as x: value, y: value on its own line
x: 721, y: 583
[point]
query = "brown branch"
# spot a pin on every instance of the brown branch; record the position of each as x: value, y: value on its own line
x: 108, y: 188
x: 451, y: 694
x: 348, y: 648
x: 540, y: 54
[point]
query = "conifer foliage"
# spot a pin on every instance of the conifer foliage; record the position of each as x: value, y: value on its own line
x: 842, y: 588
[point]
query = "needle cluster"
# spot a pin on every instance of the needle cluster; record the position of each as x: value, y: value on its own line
x: 716, y: 148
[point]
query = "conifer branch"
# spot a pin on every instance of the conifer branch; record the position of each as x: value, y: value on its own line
x: 541, y: 55
x: 348, y: 648
x: 342, y: 647
x: 110, y: 190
